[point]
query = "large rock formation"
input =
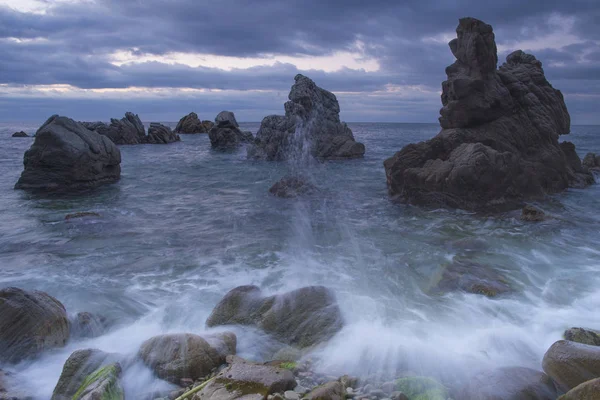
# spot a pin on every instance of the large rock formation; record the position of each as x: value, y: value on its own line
x: 30, y: 322
x: 226, y: 134
x: 303, y: 317
x: 127, y: 130
x: 160, y: 134
x: 499, y: 141
x: 192, y: 124
x: 66, y: 156
x: 571, y: 363
x: 311, y: 125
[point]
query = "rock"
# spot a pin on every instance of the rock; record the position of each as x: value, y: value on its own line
x: 102, y: 384
x: 65, y: 156
x: 82, y: 214
x: 247, y: 380
x: 510, y: 383
x: 292, y: 186
x: 469, y: 277
x: 498, y: 146
x: 420, y: 387
x: 592, y: 162
x: 31, y: 323
x: 583, y: 336
x: 589, y: 390
x: 226, y: 118
x: 80, y: 365
x: 329, y: 391
x: 311, y: 125
x: 288, y: 353
x: 532, y: 214
x: 388, y: 387
x: 302, y: 318
x: 20, y: 134
x: 570, y: 364
x: 398, y: 396
x: 226, y: 134
x: 192, y: 124
x: 291, y: 395
x: 88, y: 325
x: 179, y: 356
x: 161, y: 134
x: 377, y: 393
x: 349, y: 381
x: 127, y: 130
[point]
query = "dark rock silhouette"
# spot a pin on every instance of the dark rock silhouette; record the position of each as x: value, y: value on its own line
x: 65, y: 156
x: 592, y: 162
x: 20, y: 134
x: 226, y: 134
x: 311, y: 125
x: 192, y: 124
x: 161, y: 134
x: 292, y: 186
x: 127, y: 130
x: 499, y: 141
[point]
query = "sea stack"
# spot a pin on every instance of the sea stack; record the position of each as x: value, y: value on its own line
x: 192, y: 124
x: 127, y: 130
x: 311, y: 124
x: 498, y: 146
x: 226, y: 133
x: 65, y: 156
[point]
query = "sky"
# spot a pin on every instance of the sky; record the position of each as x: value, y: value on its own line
x: 384, y: 59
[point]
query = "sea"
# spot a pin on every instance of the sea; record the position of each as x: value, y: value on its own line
x: 185, y: 224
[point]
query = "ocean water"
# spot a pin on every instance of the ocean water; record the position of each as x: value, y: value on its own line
x: 186, y: 224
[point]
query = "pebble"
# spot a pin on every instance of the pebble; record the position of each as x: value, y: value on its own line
x: 291, y: 395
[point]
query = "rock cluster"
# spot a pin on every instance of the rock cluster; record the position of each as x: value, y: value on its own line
x: 499, y: 141
x: 192, y: 124
x: 311, y: 125
x: 226, y: 134
x: 130, y: 130
x: 65, y: 156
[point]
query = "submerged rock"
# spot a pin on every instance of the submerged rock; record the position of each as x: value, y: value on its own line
x: 20, y: 134
x: 247, y: 380
x: 292, y: 186
x: 510, y: 383
x: 583, y: 336
x: 88, y: 325
x: 592, y: 162
x: 174, y: 357
x: 127, y: 130
x: 81, y: 214
x: 589, y: 390
x: 302, y: 317
x: 499, y: 141
x: 532, y: 214
x: 161, y: 134
x: 226, y: 134
x: 570, y: 363
x: 30, y: 323
x: 192, y: 124
x: 311, y: 125
x: 470, y: 277
x: 65, y: 156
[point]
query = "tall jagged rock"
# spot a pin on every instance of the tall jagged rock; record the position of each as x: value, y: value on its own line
x: 127, y: 130
x: 311, y: 125
x: 226, y: 133
x: 192, y: 124
x: 65, y: 156
x: 499, y: 141
x: 161, y: 134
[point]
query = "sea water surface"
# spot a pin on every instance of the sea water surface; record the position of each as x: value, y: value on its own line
x: 186, y: 224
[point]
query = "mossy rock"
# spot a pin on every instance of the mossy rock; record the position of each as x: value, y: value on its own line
x: 421, y: 388
x: 101, y: 384
x: 584, y: 336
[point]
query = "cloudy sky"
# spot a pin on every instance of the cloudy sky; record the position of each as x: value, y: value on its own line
x: 384, y: 59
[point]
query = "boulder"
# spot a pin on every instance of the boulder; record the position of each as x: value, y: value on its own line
x: 192, y: 124
x: 292, y: 186
x: 174, y: 357
x: 311, y: 125
x: 329, y: 391
x: 20, y: 134
x: 592, y: 162
x: 498, y: 146
x: 80, y: 365
x: 510, y: 383
x: 583, y: 336
x: 161, y: 134
x: 421, y: 387
x: 65, y: 156
x: 102, y: 384
x: 31, y: 323
x: 589, y: 390
x: 127, y: 130
x: 247, y: 380
x: 302, y: 317
x: 570, y: 363
x: 532, y: 214
x: 225, y: 134
x: 469, y: 277
x: 88, y: 325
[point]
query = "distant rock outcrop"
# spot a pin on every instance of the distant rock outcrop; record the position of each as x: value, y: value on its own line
x: 499, y: 144
x: 192, y: 124
x: 311, y: 125
x: 127, y: 130
x: 292, y: 186
x: 592, y: 162
x: 20, y: 134
x: 226, y: 133
x: 65, y: 156
x: 161, y: 134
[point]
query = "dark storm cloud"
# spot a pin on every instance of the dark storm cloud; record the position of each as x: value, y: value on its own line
x: 404, y: 36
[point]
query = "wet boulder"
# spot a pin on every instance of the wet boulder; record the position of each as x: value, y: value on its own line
x: 127, y: 130
x: 292, y: 186
x: 30, y: 323
x: 192, y: 124
x: 174, y: 357
x: 421, y: 387
x: 510, y: 383
x: 102, y: 384
x: 311, y: 125
x: 499, y: 144
x: 65, y: 156
x: 247, y: 380
x: 570, y: 364
x: 88, y: 325
x: 592, y: 162
x: 589, y: 390
x: 583, y: 336
x: 467, y: 276
x: 303, y: 317
x: 161, y: 134
x: 328, y: 391
x: 226, y: 134
x: 20, y: 134
x: 532, y: 214
x: 226, y: 118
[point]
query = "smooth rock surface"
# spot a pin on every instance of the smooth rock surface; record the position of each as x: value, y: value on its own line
x: 30, y: 323
x: 226, y: 118
x: 161, y: 134
x: 499, y: 146
x: 192, y: 124
x: 589, y: 390
x: 311, y: 126
x: 302, y: 317
x: 570, y: 363
x: 65, y: 156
